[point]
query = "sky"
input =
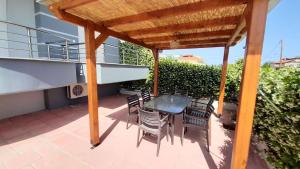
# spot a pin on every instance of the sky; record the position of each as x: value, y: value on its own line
x: 283, y: 23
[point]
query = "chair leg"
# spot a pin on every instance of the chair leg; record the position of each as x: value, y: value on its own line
x: 207, y: 139
x: 182, y: 134
x: 128, y: 116
x: 138, y: 138
x: 168, y: 132
x: 158, y: 144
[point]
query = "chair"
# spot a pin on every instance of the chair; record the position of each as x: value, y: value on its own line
x: 164, y: 92
x: 200, y: 104
x: 151, y: 122
x: 133, y: 102
x: 145, y: 96
x: 197, y: 118
x: 181, y: 92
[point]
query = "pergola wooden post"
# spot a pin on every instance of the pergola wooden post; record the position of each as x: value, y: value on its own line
x: 91, y: 45
x: 223, y: 80
x: 156, y: 60
x: 256, y: 21
x: 251, y: 17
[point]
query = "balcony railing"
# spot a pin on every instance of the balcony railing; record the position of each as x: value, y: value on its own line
x: 19, y: 41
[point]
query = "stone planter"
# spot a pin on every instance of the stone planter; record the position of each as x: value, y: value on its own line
x: 229, y: 115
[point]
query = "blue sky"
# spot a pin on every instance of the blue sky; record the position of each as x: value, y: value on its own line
x: 283, y: 22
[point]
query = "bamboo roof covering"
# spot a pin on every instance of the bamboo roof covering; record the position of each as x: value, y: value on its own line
x: 160, y: 24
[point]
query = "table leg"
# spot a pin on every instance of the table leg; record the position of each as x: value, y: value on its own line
x: 172, y: 128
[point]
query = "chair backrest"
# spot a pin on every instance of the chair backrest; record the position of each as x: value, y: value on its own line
x: 149, y: 119
x: 145, y: 96
x: 209, y: 110
x: 181, y: 92
x: 164, y: 92
x: 133, y: 100
x: 211, y: 100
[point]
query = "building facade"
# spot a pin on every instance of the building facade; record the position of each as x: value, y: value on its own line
x: 43, y: 58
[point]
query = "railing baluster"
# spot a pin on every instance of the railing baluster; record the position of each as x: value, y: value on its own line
x: 48, y: 49
x: 67, y: 50
x: 29, y: 42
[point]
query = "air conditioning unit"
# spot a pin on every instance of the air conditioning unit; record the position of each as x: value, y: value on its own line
x: 77, y: 90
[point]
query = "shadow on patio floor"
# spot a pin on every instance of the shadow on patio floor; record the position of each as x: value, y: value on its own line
x: 60, y: 139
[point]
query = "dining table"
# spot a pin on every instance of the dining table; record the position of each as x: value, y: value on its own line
x: 171, y: 105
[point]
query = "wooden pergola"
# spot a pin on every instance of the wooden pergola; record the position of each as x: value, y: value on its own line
x: 175, y: 24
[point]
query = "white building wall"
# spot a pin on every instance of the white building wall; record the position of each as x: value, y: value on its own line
x: 3, y: 29
x: 100, y: 50
x: 20, y: 12
x: 21, y: 103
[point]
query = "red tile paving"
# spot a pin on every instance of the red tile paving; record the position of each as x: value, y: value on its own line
x: 59, y: 139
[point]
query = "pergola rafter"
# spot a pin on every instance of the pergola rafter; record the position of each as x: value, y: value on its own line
x: 232, y: 20
x: 69, y: 4
x: 173, y: 11
x: 63, y: 15
x: 247, y: 16
x: 221, y: 33
x: 221, y: 41
x: 191, y: 46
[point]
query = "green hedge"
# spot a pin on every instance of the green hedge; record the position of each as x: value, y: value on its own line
x: 278, y: 127
x: 198, y: 80
x: 277, y: 118
x: 134, y: 54
x: 233, y: 81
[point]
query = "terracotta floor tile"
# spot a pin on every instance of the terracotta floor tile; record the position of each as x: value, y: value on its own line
x: 22, y: 160
x: 59, y: 139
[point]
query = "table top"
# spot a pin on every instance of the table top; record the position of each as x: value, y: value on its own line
x: 171, y: 104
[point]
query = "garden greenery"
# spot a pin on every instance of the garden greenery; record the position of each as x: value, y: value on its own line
x: 277, y: 116
x: 198, y: 80
x: 134, y: 54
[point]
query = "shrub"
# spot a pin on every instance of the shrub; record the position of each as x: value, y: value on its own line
x: 198, y: 80
x: 129, y: 53
x: 277, y: 118
x: 233, y: 81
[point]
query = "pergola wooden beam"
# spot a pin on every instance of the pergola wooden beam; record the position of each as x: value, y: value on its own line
x: 69, y: 4
x: 100, y: 39
x: 189, y: 36
x: 241, y: 28
x: 190, y: 46
x: 194, y: 42
x: 63, y: 15
x: 173, y: 11
x: 223, y: 80
x: 256, y: 22
x: 231, y: 20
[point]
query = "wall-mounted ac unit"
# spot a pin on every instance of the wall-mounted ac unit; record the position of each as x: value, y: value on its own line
x: 77, y: 90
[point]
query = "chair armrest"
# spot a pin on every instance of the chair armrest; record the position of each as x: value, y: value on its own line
x: 199, y: 102
x: 164, y: 118
x: 195, y: 113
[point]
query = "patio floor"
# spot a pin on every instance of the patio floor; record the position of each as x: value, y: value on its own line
x: 60, y: 139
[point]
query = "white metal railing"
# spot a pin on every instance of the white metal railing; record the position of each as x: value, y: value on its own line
x: 25, y: 39
x: 16, y: 39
